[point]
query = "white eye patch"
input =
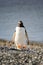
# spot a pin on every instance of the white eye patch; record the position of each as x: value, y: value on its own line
x: 19, y: 22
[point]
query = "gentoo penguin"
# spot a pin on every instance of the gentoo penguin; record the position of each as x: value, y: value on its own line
x: 20, y: 37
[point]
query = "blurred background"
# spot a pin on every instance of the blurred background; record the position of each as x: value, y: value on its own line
x: 29, y: 11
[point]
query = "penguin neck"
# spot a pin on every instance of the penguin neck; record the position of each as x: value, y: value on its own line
x: 20, y: 25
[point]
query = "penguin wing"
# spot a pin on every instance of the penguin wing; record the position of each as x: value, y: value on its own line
x: 27, y: 36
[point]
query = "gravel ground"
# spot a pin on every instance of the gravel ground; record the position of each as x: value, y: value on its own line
x: 21, y: 57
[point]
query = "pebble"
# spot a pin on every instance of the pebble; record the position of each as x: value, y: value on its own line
x: 30, y: 57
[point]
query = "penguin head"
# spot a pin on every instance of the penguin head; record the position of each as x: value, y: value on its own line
x: 20, y: 24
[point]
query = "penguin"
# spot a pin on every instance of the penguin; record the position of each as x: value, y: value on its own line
x: 20, y: 37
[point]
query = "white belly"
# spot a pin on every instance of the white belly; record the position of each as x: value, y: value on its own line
x: 20, y: 36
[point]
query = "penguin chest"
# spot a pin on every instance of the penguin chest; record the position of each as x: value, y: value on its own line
x: 20, y: 36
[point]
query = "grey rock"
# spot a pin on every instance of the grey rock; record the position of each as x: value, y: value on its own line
x: 16, y: 57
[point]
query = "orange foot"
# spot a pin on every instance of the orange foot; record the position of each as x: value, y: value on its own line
x: 24, y: 46
x: 19, y: 46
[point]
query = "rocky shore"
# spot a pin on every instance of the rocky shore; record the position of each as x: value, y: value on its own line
x: 21, y: 57
x: 31, y: 56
